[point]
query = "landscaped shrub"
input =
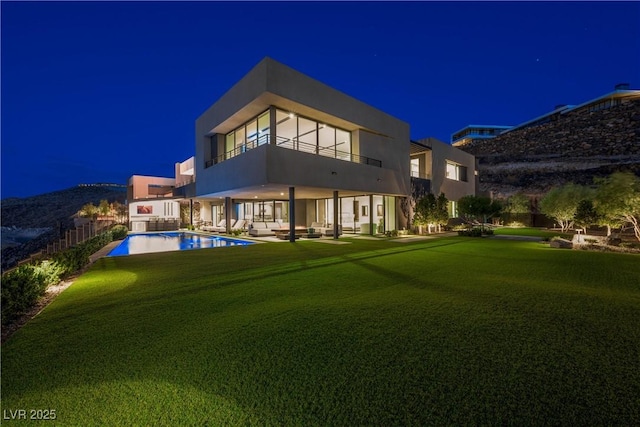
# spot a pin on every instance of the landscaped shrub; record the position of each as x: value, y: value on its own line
x: 75, y: 258
x: 22, y: 287
x: 516, y: 224
x: 471, y: 232
x: 392, y: 233
x: 119, y: 232
x: 630, y: 245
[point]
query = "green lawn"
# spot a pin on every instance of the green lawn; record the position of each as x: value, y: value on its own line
x: 444, y: 331
x: 531, y: 231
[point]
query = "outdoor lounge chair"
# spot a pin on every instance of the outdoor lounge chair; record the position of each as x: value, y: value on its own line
x: 214, y: 227
x: 239, y: 225
x: 223, y: 227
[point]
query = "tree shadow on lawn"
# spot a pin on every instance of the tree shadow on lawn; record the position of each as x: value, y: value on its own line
x: 218, y: 281
x: 178, y: 355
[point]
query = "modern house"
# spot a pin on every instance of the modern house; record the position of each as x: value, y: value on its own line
x: 473, y: 133
x: 281, y: 146
x: 154, y: 202
x: 442, y: 168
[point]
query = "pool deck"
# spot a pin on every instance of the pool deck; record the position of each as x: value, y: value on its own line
x: 104, y: 251
x: 273, y: 239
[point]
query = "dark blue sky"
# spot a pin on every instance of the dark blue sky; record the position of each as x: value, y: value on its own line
x: 99, y: 91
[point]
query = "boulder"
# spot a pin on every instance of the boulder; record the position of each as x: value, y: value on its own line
x: 561, y: 244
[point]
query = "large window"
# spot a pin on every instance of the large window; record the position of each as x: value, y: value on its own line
x: 453, y: 209
x: 307, y: 135
x: 456, y: 172
x: 263, y: 210
x: 415, y: 168
x: 248, y: 136
x: 293, y: 132
x: 304, y: 134
x: 361, y: 214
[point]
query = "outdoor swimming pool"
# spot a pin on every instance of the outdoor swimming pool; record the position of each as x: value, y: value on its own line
x: 171, y: 241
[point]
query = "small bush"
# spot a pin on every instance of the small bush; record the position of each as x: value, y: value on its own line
x: 119, y: 232
x: 472, y: 232
x: 516, y: 224
x: 630, y: 245
x: 22, y: 287
x: 236, y: 232
x: 488, y: 231
x: 613, y: 240
x: 391, y: 233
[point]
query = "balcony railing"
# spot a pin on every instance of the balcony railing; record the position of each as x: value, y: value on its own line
x: 415, y: 174
x: 294, y: 144
x: 185, y: 182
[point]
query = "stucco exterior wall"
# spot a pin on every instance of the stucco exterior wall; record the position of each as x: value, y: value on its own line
x: 375, y: 134
x: 139, y: 185
x: 154, y: 209
x: 441, y: 152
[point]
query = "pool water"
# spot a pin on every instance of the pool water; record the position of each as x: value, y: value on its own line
x: 171, y: 241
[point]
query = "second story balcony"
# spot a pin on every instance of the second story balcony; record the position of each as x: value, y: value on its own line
x: 297, y: 145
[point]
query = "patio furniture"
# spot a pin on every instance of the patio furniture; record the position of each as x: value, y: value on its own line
x: 325, y: 230
x: 214, y: 227
x: 223, y: 227
x: 261, y: 229
x: 284, y: 234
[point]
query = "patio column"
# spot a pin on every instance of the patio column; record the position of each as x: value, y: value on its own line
x: 191, y: 210
x: 292, y: 214
x: 335, y: 214
x: 371, y: 214
x: 227, y: 214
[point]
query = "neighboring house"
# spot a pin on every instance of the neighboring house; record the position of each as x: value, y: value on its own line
x: 154, y: 201
x: 473, y: 133
x: 446, y: 169
x: 476, y: 133
x: 281, y: 146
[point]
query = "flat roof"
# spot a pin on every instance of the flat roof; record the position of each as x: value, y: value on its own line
x: 482, y: 127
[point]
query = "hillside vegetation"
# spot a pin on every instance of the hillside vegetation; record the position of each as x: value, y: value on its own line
x: 53, y: 211
x: 575, y: 148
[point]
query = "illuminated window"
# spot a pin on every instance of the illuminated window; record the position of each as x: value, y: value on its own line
x: 304, y: 134
x: 415, y: 168
x: 453, y: 209
x: 456, y: 172
x: 253, y: 133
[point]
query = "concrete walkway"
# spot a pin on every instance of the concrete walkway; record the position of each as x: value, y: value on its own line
x: 104, y: 251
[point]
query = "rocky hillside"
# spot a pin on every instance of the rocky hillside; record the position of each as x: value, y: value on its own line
x: 46, y: 216
x: 577, y: 147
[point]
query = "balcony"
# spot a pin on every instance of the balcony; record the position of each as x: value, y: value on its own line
x: 185, y: 189
x: 295, y: 145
